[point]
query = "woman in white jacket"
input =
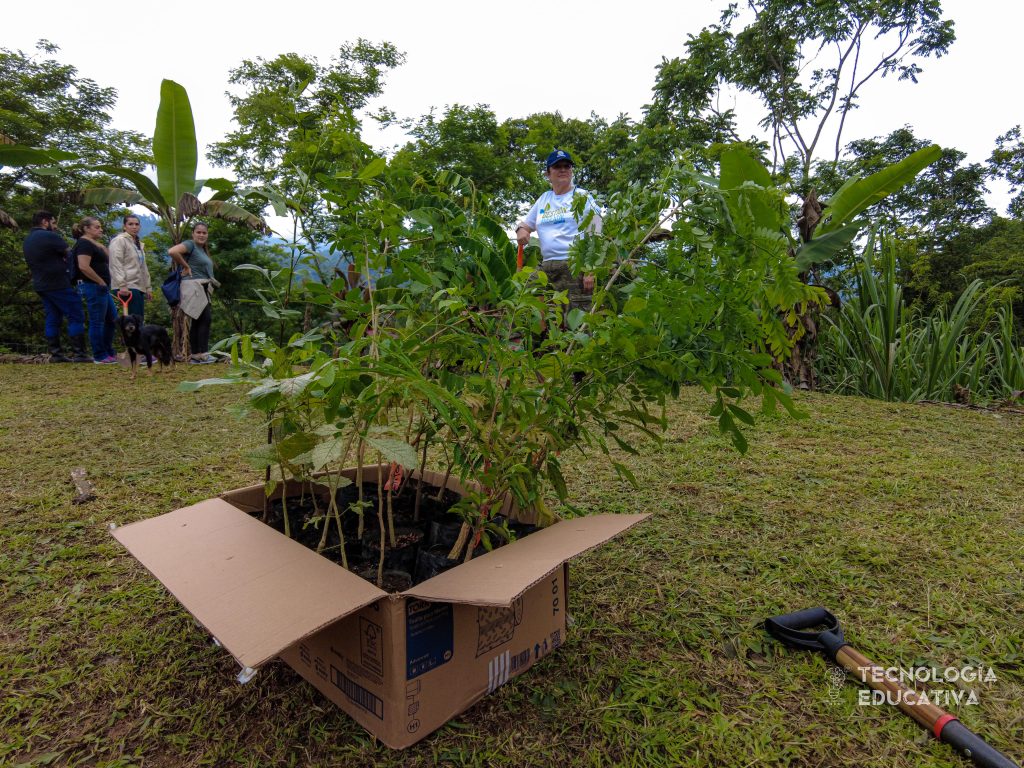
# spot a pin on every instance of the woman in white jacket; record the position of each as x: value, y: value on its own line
x: 129, y: 275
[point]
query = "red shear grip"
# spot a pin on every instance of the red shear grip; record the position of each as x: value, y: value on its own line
x: 940, y: 724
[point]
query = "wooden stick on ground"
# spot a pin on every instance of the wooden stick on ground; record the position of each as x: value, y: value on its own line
x: 86, y: 491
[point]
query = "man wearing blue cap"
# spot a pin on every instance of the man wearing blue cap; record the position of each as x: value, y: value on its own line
x: 551, y: 217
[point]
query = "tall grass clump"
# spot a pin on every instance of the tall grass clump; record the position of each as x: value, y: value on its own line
x: 876, y: 346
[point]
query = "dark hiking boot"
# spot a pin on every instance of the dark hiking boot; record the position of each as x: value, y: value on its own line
x: 78, y: 353
x: 56, y: 353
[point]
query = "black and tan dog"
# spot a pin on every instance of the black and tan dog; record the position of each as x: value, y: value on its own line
x: 149, y: 341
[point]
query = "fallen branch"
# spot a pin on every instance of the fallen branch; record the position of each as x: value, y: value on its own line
x: 969, y: 407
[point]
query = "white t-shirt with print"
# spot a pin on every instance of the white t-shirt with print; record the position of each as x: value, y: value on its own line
x: 552, y: 219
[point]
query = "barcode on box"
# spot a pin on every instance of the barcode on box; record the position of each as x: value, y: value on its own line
x: 357, y: 694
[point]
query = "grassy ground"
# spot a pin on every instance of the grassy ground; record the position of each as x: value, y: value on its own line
x: 905, y: 520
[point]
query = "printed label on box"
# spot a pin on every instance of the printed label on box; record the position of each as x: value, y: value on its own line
x: 371, y: 651
x: 497, y: 626
x: 429, y: 635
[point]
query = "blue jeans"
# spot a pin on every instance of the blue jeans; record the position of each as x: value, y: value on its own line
x: 59, y: 304
x: 136, y: 305
x: 102, y: 318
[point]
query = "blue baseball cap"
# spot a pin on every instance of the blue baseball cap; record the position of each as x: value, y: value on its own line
x: 556, y: 156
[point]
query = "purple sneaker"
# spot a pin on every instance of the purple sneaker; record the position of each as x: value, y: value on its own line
x: 111, y: 360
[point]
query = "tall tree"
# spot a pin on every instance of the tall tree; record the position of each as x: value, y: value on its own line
x: 1007, y: 163
x: 44, y: 103
x: 468, y: 141
x: 297, y: 118
x: 806, y: 63
x: 503, y: 160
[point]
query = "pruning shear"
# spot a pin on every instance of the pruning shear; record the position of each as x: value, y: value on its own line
x: 519, y: 258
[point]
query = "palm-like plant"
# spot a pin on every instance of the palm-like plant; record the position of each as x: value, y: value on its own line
x: 174, y: 195
x: 17, y: 155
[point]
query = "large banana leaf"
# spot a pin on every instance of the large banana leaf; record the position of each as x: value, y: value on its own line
x: 174, y: 143
x: 222, y: 209
x: 143, y: 183
x: 857, y: 194
x: 7, y: 221
x: 826, y: 246
x: 104, y: 196
x: 17, y: 155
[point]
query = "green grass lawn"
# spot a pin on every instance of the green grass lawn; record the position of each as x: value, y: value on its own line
x: 907, y: 521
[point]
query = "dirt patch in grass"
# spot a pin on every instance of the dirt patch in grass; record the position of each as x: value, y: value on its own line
x: 904, y: 520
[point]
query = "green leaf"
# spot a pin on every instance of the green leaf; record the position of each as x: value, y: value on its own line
x: 373, y: 169
x: 634, y: 304
x: 737, y: 167
x: 741, y: 414
x: 221, y: 209
x: 397, y: 451
x: 143, y: 183
x: 624, y: 472
x: 852, y: 198
x: 624, y: 445
x: 18, y: 155
x: 825, y: 247
x: 174, y: 143
x: 262, y: 456
x: 105, y: 196
x: 739, y: 441
x: 323, y: 453
x: 557, y: 481
x: 575, y: 318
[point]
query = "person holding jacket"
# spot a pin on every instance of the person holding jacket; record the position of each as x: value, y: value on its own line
x: 197, y: 284
x: 47, y: 256
x: 557, y: 228
x: 129, y: 275
x: 94, y: 286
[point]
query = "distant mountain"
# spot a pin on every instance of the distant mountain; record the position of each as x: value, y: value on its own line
x: 150, y: 224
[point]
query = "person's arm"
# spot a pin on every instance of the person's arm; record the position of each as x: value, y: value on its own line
x: 118, y: 274
x: 178, y: 253
x: 57, y: 245
x: 524, y: 227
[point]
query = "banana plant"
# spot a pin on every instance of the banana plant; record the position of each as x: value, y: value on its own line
x: 839, y: 226
x: 174, y: 195
x: 824, y: 230
x: 18, y: 155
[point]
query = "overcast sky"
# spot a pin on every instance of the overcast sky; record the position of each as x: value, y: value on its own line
x: 574, y: 57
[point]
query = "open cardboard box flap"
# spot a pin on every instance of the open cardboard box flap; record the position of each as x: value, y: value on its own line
x: 500, y: 576
x: 256, y: 591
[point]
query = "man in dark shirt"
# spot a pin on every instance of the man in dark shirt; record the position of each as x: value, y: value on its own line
x: 46, y: 254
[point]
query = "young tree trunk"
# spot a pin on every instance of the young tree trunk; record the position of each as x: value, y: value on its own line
x: 181, y: 325
x: 798, y: 368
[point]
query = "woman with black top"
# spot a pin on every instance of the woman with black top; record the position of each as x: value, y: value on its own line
x: 94, y: 287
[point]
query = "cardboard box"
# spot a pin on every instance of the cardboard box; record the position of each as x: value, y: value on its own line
x: 401, y: 665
